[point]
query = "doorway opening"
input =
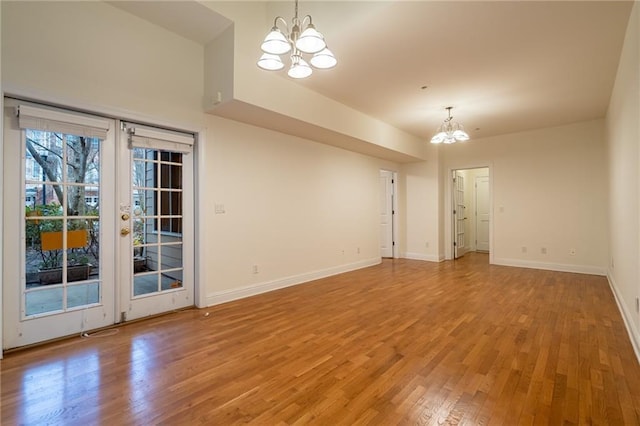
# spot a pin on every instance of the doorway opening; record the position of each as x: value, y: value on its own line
x: 470, y: 218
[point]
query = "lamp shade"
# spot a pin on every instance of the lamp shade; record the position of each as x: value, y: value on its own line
x: 310, y: 41
x: 323, y: 59
x: 299, y: 68
x: 439, y: 137
x: 275, y: 43
x: 270, y: 62
x: 460, y: 135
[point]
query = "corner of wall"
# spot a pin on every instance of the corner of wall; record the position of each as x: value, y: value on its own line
x: 219, y: 69
x: 634, y: 336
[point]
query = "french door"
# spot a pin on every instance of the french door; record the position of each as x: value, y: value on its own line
x: 155, y: 220
x: 98, y: 222
x: 58, y: 278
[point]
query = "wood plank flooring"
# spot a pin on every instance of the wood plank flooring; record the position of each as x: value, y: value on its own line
x: 405, y: 342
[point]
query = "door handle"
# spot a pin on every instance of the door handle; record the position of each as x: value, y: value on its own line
x: 124, y: 232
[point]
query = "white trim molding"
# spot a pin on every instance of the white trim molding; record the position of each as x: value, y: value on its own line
x: 560, y: 267
x: 627, y: 317
x: 423, y: 256
x: 252, y: 290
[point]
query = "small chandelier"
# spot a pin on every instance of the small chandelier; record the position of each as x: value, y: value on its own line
x: 450, y: 131
x: 309, y: 41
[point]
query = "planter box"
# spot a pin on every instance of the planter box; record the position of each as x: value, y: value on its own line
x: 74, y: 273
x: 139, y: 264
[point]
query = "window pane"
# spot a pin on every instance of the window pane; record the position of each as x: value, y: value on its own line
x: 144, y: 284
x: 83, y: 294
x: 43, y: 300
x: 176, y: 225
x: 144, y: 202
x: 139, y: 232
x: 171, y: 203
x: 142, y: 174
x: 176, y: 157
x: 151, y: 255
x: 91, y: 200
x: 141, y: 153
x: 171, y: 280
x: 93, y: 246
x: 83, y: 159
x: 32, y: 250
x: 171, y: 176
x: 171, y: 256
x: 76, y: 205
x: 44, y: 153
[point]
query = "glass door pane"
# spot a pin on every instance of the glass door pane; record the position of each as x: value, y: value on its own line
x: 62, y: 222
x: 157, y: 221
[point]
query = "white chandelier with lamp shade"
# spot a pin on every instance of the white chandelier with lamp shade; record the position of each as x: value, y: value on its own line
x: 450, y: 131
x: 297, y: 43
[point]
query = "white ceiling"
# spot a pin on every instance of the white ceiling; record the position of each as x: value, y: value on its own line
x: 504, y: 66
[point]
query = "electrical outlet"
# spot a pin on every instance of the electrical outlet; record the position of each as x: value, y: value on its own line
x: 426, y: 245
x: 358, y: 250
x: 524, y: 249
x: 255, y: 269
x: 543, y: 250
x: 572, y: 252
x: 637, y: 304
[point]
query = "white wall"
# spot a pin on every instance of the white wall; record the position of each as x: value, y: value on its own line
x: 623, y: 141
x: 294, y: 208
x: 549, y: 191
x: 94, y: 54
x: 419, y: 186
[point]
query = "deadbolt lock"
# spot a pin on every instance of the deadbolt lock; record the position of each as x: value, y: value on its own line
x: 124, y: 232
x: 125, y: 216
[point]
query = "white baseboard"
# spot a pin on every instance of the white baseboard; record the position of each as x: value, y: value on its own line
x: 627, y: 317
x: 422, y: 256
x: 560, y: 267
x: 252, y: 290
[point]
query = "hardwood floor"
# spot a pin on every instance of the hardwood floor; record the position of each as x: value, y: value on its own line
x: 405, y: 342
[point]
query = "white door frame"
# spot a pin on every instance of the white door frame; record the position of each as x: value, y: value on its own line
x: 476, y: 218
x: 447, y: 213
x: 459, y: 214
x: 1, y: 219
x: 394, y: 207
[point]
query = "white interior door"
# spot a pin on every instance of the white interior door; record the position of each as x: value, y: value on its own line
x: 155, y: 221
x: 459, y: 216
x: 482, y: 213
x: 58, y: 223
x: 386, y: 213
